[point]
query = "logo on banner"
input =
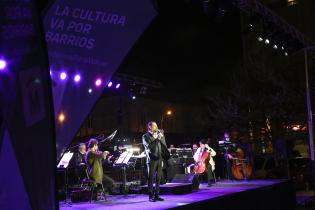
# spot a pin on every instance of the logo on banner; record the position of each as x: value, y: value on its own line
x: 32, y: 96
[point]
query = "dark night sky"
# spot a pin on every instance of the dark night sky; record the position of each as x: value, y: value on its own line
x: 186, y: 50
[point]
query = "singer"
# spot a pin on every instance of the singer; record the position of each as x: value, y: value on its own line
x: 156, y: 151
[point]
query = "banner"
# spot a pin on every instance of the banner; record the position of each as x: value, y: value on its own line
x: 87, y: 41
x: 27, y: 139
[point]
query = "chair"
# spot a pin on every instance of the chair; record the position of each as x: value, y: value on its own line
x: 90, y: 183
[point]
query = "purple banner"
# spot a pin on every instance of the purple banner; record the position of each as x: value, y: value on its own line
x: 27, y: 143
x: 87, y: 41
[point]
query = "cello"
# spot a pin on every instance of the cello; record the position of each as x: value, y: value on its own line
x: 200, y: 166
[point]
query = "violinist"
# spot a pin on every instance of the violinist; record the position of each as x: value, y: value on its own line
x: 94, y: 159
x: 206, y: 153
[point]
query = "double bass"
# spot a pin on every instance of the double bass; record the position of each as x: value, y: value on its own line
x: 200, y: 166
x: 240, y: 168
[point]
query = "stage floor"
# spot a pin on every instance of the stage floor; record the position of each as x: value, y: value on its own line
x: 140, y: 201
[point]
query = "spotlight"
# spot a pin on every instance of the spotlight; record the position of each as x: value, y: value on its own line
x: 98, y: 82
x: 275, y: 46
x: 117, y: 86
x: 63, y: 75
x: 260, y: 39
x: 3, y: 64
x: 77, y: 78
x: 282, y: 48
x: 267, y: 41
x: 109, y: 84
x: 286, y: 54
x: 90, y: 90
x: 133, y: 97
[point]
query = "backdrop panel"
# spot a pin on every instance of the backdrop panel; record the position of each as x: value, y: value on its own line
x: 28, y: 155
x: 87, y: 41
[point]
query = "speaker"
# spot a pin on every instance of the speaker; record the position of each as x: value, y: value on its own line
x: 187, y: 178
x: 80, y: 195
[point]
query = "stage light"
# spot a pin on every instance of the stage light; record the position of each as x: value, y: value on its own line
x: 267, y: 41
x: 286, y: 54
x: 275, y: 46
x: 50, y: 72
x: 260, y: 39
x: 296, y: 127
x: 169, y: 112
x: 110, y: 84
x: 63, y: 75
x: 77, y: 78
x: 3, y: 64
x: 117, y: 86
x: 282, y: 48
x: 98, y: 82
x: 90, y: 90
x: 61, y: 117
x: 133, y: 97
x: 143, y: 90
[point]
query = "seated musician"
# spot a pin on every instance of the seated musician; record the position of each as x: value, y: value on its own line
x: 94, y: 159
x: 79, y: 161
x: 120, y: 149
x: 194, y: 149
x: 190, y: 167
x: 204, y: 147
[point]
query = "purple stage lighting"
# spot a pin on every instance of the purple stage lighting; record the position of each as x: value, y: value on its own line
x: 98, y: 82
x: 63, y: 75
x: 77, y: 78
x: 118, y: 85
x: 3, y: 64
x: 109, y: 84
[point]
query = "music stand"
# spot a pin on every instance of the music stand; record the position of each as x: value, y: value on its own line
x: 122, y: 162
x: 63, y: 164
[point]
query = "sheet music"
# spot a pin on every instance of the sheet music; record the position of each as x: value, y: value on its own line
x: 64, y: 162
x: 124, y: 158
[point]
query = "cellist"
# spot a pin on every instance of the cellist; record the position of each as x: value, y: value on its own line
x: 203, y: 151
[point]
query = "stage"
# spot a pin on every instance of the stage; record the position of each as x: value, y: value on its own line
x: 224, y: 195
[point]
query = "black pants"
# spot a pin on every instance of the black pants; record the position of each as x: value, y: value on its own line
x: 154, y: 170
x: 108, y: 183
x: 209, y: 174
x: 81, y: 173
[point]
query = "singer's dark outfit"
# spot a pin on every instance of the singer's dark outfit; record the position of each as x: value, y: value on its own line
x: 156, y: 151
